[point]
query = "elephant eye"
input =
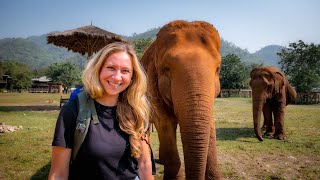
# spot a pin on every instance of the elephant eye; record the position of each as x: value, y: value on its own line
x: 165, y: 70
x: 218, y: 72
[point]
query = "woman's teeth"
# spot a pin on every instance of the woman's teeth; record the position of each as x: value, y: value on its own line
x: 114, y: 84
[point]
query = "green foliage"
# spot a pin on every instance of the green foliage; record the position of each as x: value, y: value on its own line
x: 233, y: 73
x: 141, y: 44
x: 2, y: 70
x: 66, y: 73
x: 301, y: 63
x: 21, y: 74
x: 39, y: 72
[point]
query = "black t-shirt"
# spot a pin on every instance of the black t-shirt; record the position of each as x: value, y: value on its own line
x: 105, y: 152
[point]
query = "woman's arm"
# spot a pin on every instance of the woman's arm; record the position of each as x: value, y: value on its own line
x: 144, y: 162
x: 59, y: 163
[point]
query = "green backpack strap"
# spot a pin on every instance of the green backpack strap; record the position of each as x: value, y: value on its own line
x: 87, y: 111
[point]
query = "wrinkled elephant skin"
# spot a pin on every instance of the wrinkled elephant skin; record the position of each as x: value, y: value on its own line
x: 271, y: 92
x: 183, y: 66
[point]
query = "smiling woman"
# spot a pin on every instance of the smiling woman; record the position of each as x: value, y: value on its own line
x: 115, y: 146
x: 115, y: 76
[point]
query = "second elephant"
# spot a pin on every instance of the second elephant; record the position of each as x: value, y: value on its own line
x: 271, y: 92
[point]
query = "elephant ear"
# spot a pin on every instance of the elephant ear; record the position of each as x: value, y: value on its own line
x: 278, y: 82
x: 148, y: 60
x: 253, y: 73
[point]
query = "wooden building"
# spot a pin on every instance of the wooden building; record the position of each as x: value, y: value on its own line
x: 44, y: 85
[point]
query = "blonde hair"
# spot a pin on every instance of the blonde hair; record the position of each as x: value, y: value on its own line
x: 133, y: 108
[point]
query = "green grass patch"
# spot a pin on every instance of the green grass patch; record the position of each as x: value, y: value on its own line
x: 13, y: 99
x: 25, y: 154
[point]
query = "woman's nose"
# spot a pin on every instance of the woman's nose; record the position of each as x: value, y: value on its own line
x: 117, y: 75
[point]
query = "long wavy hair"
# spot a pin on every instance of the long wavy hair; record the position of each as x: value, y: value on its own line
x: 133, y: 107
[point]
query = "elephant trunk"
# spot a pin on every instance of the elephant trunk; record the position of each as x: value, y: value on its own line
x: 196, y: 122
x: 257, y: 106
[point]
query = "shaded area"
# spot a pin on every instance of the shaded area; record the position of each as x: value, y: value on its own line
x: 158, y: 161
x: 225, y: 134
x: 29, y: 108
x: 42, y: 173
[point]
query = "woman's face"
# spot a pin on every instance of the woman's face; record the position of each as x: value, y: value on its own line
x: 116, y: 73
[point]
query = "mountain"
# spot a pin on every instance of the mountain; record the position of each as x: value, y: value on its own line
x: 269, y: 55
x: 245, y: 55
x: 152, y: 33
x: 24, y: 51
x: 36, y: 53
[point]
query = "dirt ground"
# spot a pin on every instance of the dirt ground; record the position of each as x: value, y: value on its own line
x: 32, y: 108
x: 282, y: 166
x: 246, y: 167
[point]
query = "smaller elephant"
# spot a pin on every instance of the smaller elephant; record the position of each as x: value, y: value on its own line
x: 271, y: 93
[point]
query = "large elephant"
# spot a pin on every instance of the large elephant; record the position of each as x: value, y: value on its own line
x: 183, y: 67
x: 271, y: 93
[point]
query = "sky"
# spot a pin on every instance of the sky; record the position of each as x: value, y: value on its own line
x: 248, y: 24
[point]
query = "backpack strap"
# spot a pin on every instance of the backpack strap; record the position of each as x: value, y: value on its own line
x: 87, y: 111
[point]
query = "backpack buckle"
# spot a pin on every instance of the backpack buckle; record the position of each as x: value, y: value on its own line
x: 81, y: 126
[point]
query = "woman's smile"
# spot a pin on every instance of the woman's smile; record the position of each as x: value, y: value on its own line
x: 116, y: 73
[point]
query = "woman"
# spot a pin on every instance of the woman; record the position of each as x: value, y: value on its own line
x: 116, y: 147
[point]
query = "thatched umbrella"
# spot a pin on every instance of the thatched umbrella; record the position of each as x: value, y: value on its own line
x: 86, y: 39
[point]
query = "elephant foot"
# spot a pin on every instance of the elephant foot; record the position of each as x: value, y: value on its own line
x: 268, y: 134
x: 281, y: 136
x: 179, y: 176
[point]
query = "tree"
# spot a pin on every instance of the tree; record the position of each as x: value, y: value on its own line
x: 301, y: 63
x: 66, y: 73
x: 19, y: 73
x: 141, y: 44
x: 2, y: 70
x: 233, y: 73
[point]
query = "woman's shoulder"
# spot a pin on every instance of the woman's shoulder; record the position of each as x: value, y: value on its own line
x: 72, y: 107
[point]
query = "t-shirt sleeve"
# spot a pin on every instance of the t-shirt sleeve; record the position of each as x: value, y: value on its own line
x: 65, y: 126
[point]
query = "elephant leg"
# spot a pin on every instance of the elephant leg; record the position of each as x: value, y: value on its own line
x: 168, y: 152
x: 267, y: 114
x: 212, y: 169
x: 279, y: 110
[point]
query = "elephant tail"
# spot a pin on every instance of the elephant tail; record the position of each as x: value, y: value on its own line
x: 291, y: 94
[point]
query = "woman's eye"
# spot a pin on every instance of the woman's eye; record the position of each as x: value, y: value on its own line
x: 111, y: 68
x: 126, y: 71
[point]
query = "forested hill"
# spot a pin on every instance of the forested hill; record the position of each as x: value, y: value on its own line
x: 36, y: 53
x: 269, y: 55
x: 265, y: 56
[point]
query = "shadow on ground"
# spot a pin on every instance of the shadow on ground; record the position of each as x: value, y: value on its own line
x: 42, y: 173
x: 227, y: 134
x: 29, y: 108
